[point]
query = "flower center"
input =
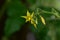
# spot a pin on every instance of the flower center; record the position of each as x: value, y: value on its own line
x: 29, y: 18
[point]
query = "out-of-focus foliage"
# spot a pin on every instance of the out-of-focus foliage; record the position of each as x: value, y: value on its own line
x: 57, y: 4
x: 48, y: 9
x: 14, y: 10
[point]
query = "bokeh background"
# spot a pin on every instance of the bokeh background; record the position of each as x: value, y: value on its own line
x: 13, y: 27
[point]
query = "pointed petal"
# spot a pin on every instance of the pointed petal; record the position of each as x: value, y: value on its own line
x: 24, y: 17
x: 27, y: 20
x: 43, y: 20
x: 35, y: 25
x: 32, y: 14
x: 28, y: 14
x: 32, y: 22
x: 36, y: 21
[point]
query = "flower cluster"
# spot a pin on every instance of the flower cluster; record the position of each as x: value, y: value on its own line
x: 30, y: 17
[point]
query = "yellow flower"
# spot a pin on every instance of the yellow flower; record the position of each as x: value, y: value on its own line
x: 29, y: 18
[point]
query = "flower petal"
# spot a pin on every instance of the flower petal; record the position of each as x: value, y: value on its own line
x: 35, y: 25
x: 28, y: 14
x: 32, y: 22
x: 36, y: 21
x: 27, y: 20
x: 32, y: 14
x: 24, y: 17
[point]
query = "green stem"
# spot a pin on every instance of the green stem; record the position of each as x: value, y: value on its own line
x: 56, y: 14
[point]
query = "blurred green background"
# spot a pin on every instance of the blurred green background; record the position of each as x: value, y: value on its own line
x: 13, y: 27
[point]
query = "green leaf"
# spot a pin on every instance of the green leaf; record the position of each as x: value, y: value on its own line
x: 13, y: 25
x: 15, y: 9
